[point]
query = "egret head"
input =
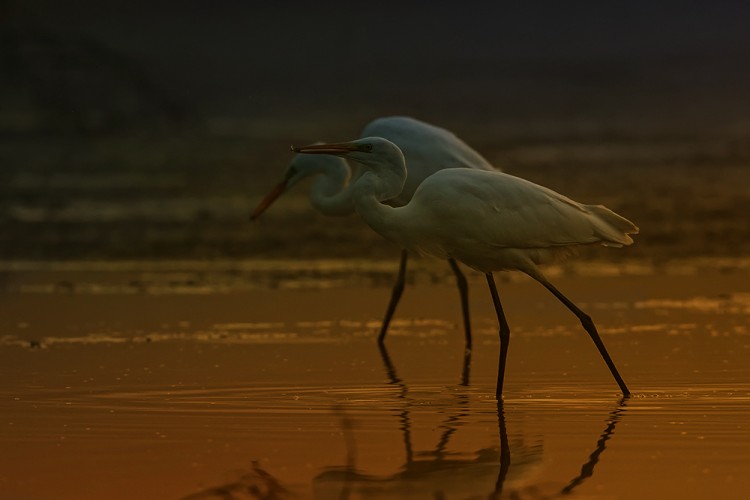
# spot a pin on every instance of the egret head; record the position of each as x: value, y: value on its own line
x: 382, y: 160
x: 366, y: 151
x: 374, y: 153
x: 301, y: 167
x: 304, y: 166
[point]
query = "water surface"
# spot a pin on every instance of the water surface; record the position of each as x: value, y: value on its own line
x: 112, y: 388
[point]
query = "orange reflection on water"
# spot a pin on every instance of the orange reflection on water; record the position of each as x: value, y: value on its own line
x: 285, y: 392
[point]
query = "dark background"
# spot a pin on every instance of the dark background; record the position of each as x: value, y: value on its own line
x: 150, y: 129
x: 659, y: 63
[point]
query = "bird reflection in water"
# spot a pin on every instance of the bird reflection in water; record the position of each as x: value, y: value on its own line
x: 435, y: 474
x: 492, y: 472
x: 587, y: 470
x: 253, y: 484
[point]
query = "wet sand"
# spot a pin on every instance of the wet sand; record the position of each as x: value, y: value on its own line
x: 153, y: 384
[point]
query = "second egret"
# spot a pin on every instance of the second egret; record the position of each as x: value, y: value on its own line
x: 428, y: 149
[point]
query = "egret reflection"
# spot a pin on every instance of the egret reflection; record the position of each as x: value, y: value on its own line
x: 512, y: 465
x: 439, y: 471
x: 507, y: 467
x: 587, y: 470
x: 256, y: 483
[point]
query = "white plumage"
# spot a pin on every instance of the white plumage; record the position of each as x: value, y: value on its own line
x: 427, y: 148
x: 490, y: 221
x: 493, y: 221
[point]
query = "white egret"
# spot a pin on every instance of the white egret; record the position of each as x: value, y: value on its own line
x: 427, y: 149
x: 489, y: 221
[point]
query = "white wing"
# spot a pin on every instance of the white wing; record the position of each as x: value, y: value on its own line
x: 482, y: 212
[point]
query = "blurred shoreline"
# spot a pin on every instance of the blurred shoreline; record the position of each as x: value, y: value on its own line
x: 116, y: 198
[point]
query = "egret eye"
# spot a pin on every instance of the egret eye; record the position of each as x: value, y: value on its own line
x: 367, y: 148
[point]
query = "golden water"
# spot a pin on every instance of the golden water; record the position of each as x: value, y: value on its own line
x: 115, y: 392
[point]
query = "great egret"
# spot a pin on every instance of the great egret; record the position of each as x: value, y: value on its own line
x: 490, y: 221
x: 427, y: 149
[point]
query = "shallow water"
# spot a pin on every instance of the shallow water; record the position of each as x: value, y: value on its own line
x: 218, y: 386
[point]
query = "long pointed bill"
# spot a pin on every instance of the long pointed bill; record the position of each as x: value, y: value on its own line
x: 327, y: 149
x: 268, y: 200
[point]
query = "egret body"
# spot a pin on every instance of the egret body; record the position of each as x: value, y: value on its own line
x: 489, y: 221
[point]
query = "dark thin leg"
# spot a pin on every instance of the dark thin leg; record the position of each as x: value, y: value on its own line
x: 590, y: 328
x: 466, y: 373
x: 504, y: 335
x: 390, y: 369
x: 463, y: 291
x: 398, y: 289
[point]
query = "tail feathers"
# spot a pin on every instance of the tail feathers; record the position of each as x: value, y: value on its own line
x: 613, y: 229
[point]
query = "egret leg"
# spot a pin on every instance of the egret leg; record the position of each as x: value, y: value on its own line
x: 466, y: 372
x: 390, y: 369
x: 463, y: 291
x: 590, y: 328
x: 398, y: 289
x: 504, y: 335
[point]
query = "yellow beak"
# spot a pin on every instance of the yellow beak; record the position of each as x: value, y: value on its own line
x: 269, y: 199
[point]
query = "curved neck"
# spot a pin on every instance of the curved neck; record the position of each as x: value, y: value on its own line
x: 381, y: 218
x: 331, y: 194
x: 370, y: 190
